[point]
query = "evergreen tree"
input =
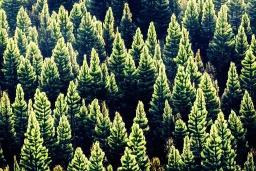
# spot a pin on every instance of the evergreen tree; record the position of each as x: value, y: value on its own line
x: 32, y: 35
x: 96, y: 158
x: 79, y: 161
x: 3, y: 23
x: 249, y: 164
x: 187, y: 154
x: 23, y: 21
x: 128, y: 161
x: 180, y: 131
x: 141, y: 118
x: 66, y: 26
x: 61, y: 109
x: 175, y: 162
x: 137, y: 46
x: 126, y: 26
x: 64, y: 151
x: 167, y: 122
x: 137, y: 144
x: 232, y: 95
x: 210, y: 94
x: 245, y: 22
x: 239, y: 133
x: 73, y: 60
x: 49, y: 79
x: 183, y: 94
x: 108, y: 31
x: 151, y: 39
x: 27, y: 77
x: 250, y: 9
x: 171, y: 47
x: 34, y: 156
x: 3, y: 43
x: 75, y: 17
x: 212, y: 151
x: 20, y: 114
x: 117, y: 139
x: 192, y: 69
x: 60, y: 55
x: 248, y: 116
x: 241, y: 46
x: 21, y: 41
x: 35, y: 11
x: 220, y: 52
x: 113, y: 94
x: 248, y: 74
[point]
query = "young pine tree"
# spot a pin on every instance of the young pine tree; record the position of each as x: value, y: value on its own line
x: 137, y: 46
x: 180, y: 131
x: 249, y: 164
x: 246, y: 24
x: 187, y: 155
x: 141, y: 118
x: 79, y: 161
x: 96, y: 158
x: 128, y: 161
x: 167, y: 122
x: 23, y: 21
x: 108, y: 31
x: 151, y: 39
x: 175, y: 162
x: 250, y: 9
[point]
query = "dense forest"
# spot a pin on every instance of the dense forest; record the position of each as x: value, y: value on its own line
x: 127, y: 85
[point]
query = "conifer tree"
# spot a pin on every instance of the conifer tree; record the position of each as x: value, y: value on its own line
x: 61, y: 108
x: 175, y: 162
x: 248, y: 115
x: 171, y: 46
x: 249, y: 164
x: 157, y: 58
x: 232, y: 95
x: 66, y: 26
x: 79, y: 161
x: 137, y: 46
x: 212, y: 151
x: 187, y: 155
x: 23, y: 21
x: 34, y: 155
x: 210, y: 94
x: 33, y: 35
x: 237, y: 129
x: 197, y: 126
x: 75, y: 17
x: 250, y: 9
x: 27, y: 77
x: 220, y: 52
x: 35, y: 11
x: 248, y: 74
x: 3, y: 23
x: 3, y: 42
x: 117, y: 58
x: 245, y: 22
x: 64, y: 151
x: 43, y: 112
x: 54, y: 31
x: 241, y: 47
x: 113, y: 94
x: 183, y: 94
x: 73, y: 60
x: 128, y: 161
x: 60, y: 55
x: 49, y: 79
x: 151, y: 39
x: 167, y: 122
x: 137, y: 144
x: 179, y: 134
x: 126, y: 26
x: 118, y: 139
x: 21, y: 41
x: 108, y: 31
x: 20, y: 114
x: 96, y: 158
x: 141, y: 118
x: 7, y: 130
x: 10, y: 64
x: 192, y: 69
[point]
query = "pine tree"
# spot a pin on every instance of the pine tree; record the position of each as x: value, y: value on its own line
x: 250, y: 9
x: 35, y: 11
x: 10, y: 65
x: 21, y: 41
x: 43, y: 112
x: 27, y: 77
x: 3, y: 42
x: 236, y: 127
x: 137, y: 144
x: 23, y: 21
x: 197, y: 126
x: 175, y: 162
x: 249, y: 164
x: 108, y: 31
x: 137, y: 46
x: 7, y: 130
x: 212, y: 151
x: 66, y: 26
x: 248, y: 74
x: 3, y: 23
x: 241, y: 47
x: 187, y: 155
x: 167, y: 122
x: 113, y: 94
x: 79, y: 161
x: 117, y: 58
x: 141, y: 118
x: 64, y: 151
x: 245, y: 22
x: 183, y: 94
x: 32, y: 35
x: 248, y: 116
x: 61, y: 109
x: 232, y: 95
x: 151, y: 39
x: 210, y: 94
x: 73, y: 60
x: 126, y: 26
x: 75, y: 17
x: 128, y: 161
x: 117, y: 139
x: 192, y: 69
x: 190, y: 22
x: 220, y: 52
x: 60, y: 55
x: 34, y: 155
x: 96, y: 158
x: 20, y: 114
x: 180, y: 131
x: 49, y: 80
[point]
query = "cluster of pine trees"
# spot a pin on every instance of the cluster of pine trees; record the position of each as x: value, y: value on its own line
x: 127, y: 85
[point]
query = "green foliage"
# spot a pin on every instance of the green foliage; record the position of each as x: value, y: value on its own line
x: 3, y: 22
x: 128, y: 161
x: 75, y: 17
x: 167, y: 121
x: 79, y: 161
x: 247, y: 27
x: 137, y: 46
x: 251, y: 8
x: 73, y: 60
x: 192, y: 69
x: 21, y: 41
x: 108, y: 31
x: 61, y: 109
x: 96, y: 158
x: 187, y: 155
x: 2, y: 159
x: 175, y: 162
x: 249, y: 164
x: 141, y: 118
x: 180, y: 131
x: 23, y: 21
x: 151, y: 39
